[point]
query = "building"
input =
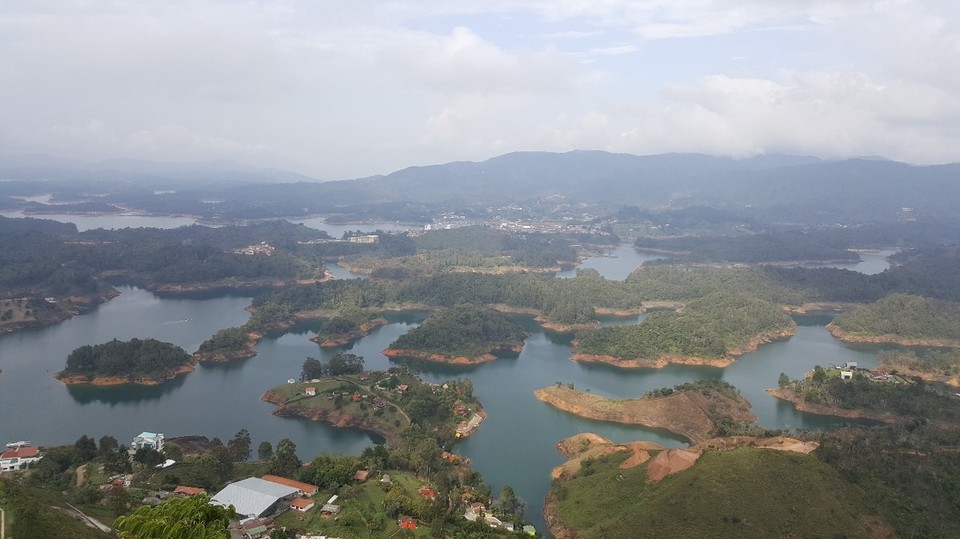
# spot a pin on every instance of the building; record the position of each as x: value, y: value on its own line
x: 302, y: 504
x: 366, y: 238
x: 148, y: 440
x: 303, y: 489
x: 182, y: 490
x: 361, y: 476
x: 19, y: 457
x: 846, y: 375
x: 255, y: 498
x: 310, y: 391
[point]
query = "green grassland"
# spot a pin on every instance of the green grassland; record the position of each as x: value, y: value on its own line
x: 741, y: 493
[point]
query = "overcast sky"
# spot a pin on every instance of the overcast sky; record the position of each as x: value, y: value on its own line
x: 348, y: 89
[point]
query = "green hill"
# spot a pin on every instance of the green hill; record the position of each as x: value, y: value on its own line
x: 745, y: 492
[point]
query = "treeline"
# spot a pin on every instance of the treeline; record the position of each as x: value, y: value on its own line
x: 938, y: 361
x: 905, y: 316
x: 752, y: 248
x: 225, y: 341
x: 711, y: 327
x: 44, y: 259
x: 126, y: 358
x: 465, y: 330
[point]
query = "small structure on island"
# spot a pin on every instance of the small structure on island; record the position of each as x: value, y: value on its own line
x: 846, y: 375
x: 427, y: 493
x: 148, y: 440
x: 301, y: 504
x: 407, y: 523
x: 361, y: 476
x: 385, y: 480
x: 310, y: 391
x: 850, y: 365
x: 330, y: 509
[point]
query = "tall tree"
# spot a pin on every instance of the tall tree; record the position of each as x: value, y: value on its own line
x: 179, y: 518
x: 239, y: 446
x: 86, y: 448
x: 264, y: 450
x: 285, y: 460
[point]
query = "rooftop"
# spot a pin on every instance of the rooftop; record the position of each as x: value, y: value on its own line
x: 306, y: 488
x: 252, y: 496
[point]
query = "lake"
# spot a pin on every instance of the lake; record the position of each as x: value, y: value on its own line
x: 514, y: 445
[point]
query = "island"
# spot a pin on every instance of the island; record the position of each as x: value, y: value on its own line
x: 880, y: 395
x: 346, y: 326
x: 226, y: 345
x: 723, y: 487
x: 713, y: 331
x: 695, y: 411
x: 464, y: 335
x: 386, y: 403
x: 901, y: 319
x: 137, y: 361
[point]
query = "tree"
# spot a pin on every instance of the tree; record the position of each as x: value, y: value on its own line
x: 312, y: 369
x: 509, y: 505
x: 86, y: 448
x: 285, y: 460
x: 108, y: 445
x: 239, y: 446
x: 172, y: 451
x: 783, y: 381
x: 264, y: 450
x: 179, y: 518
x: 342, y: 363
x: 118, y: 462
x: 819, y: 375
x: 148, y: 457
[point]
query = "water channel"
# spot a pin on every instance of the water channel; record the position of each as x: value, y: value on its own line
x: 514, y: 445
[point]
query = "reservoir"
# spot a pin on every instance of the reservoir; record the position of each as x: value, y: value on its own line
x: 514, y: 445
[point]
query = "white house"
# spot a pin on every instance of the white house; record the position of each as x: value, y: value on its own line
x: 19, y: 457
x: 148, y: 440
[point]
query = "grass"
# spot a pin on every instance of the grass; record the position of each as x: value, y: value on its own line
x: 368, y: 497
x: 733, y: 494
x: 41, y: 519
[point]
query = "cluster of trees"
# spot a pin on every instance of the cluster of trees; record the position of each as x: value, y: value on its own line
x: 905, y: 316
x: 709, y: 327
x: 340, y: 364
x: 126, y: 358
x: 939, y: 361
x: 133, y: 357
x: 465, y: 330
x: 225, y: 340
x: 346, y: 323
x: 752, y: 248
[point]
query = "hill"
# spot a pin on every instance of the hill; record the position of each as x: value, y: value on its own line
x: 464, y: 334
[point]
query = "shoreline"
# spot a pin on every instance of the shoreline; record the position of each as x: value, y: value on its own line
x: 821, y: 409
x: 667, y: 359
x: 398, y: 353
x: 844, y: 336
x: 139, y: 380
x: 78, y: 305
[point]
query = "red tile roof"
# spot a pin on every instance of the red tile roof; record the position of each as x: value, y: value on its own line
x: 189, y: 491
x: 301, y: 503
x: 306, y: 488
x: 20, y: 452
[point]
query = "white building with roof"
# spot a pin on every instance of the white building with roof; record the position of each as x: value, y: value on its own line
x: 148, y: 440
x: 255, y: 498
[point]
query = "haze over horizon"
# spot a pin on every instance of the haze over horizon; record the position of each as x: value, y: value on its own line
x: 378, y: 86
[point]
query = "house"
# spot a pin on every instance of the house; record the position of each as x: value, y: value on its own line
x: 366, y: 238
x: 386, y: 479
x: 850, y: 365
x: 255, y: 498
x: 426, y: 492
x: 846, y: 375
x: 492, y: 521
x: 303, y: 489
x: 301, y: 504
x: 407, y: 523
x: 148, y: 440
x: 182, y: 490
x: 257, y: 528
x: 329, y: 510
x: 19, y: 457
x: 402, y: 388
x: 474, y: 511
x: 310, y: 391
x: 361, y: 476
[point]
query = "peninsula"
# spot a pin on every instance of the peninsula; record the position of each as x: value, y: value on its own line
x: 385, y: 403
x: 464, y: 335
x: 901, y: 319
x: 696, y: 411
x: 143, y: 362
x: 346, y: 326
x: 712, y: 331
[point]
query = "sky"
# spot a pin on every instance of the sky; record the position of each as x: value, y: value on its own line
x: 349, y: 89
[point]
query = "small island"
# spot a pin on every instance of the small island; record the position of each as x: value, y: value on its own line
x: 137, y: 361
x: 901, y: 319
x: 464, y: 335
x: 386, y: 403
x: 696, y: 411
x: 711, y: 331
x: 347, y: 326
x: 227, y: 345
